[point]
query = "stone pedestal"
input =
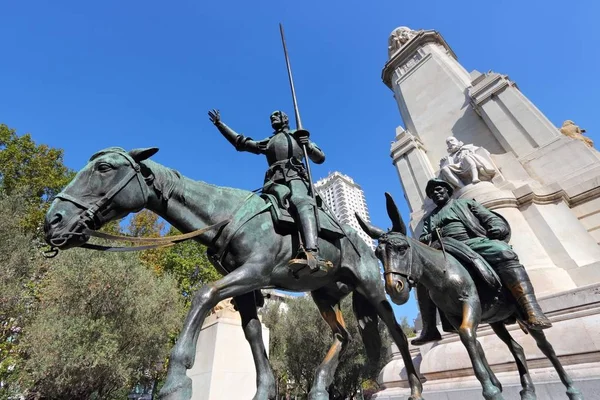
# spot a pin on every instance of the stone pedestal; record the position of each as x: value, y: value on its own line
x: 447, y: 370
x: 224, y: 367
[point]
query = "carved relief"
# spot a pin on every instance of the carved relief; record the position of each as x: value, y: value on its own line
x: 465, y: 164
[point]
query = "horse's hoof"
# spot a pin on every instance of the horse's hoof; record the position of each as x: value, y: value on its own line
x: 527, y: 394
x: 493, y: 394
x: 318, y: 395
x: 574, y: 394
x: 270, y: 393
x: 181, y: 390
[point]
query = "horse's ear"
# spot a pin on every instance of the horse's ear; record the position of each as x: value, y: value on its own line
x: 394, y: 214
x: 371, y: 230
x: 143, y: 154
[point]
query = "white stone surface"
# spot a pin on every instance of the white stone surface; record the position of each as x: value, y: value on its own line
x: 224, y: 367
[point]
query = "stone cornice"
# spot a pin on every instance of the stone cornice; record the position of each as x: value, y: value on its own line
x: 405, y: 141
x: 491, y: 85
x: 422, y: 37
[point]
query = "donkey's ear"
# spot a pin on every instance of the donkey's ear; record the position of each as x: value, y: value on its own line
x: 394, y: 214
x: 371, y: 230
x: 143, y: 154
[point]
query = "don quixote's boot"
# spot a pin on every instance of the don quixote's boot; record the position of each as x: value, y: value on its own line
x: 307, y: 260
x: 515, y: 279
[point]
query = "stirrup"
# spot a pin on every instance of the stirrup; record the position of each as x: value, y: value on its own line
x: 307, y: 263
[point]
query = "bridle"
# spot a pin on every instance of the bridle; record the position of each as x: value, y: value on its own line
x: 92, y: 211
x: 92, y: 217
x: 408, y: 274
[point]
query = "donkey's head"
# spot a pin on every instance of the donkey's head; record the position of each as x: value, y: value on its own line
x: 393, y: 250
x: 109, y: 187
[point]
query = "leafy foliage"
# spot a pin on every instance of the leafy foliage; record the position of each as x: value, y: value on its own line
x: 92, y: 334
x: 296, y: 353
x: 21, y: 268
x: 37, y: 171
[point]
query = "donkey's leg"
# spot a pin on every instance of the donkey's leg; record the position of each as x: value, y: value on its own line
x: 540, y: 338
x: 265, y: 381
x: 385, y: 312
x: 330, y: 310
x: 243, y: 280
x: 493, y: 377
x: 528, y: 391
x: 467, y: 332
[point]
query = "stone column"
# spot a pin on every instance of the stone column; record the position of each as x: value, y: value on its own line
x: 414, y: 169
x: 515, y: 122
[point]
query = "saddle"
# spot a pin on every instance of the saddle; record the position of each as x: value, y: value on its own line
x: 485, y: 277
x: 488, y: 283
x: 284, y: 222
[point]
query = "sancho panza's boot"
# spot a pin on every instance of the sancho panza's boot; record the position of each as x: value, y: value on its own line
x: 430, y: 331
x: 515, y: 279
x: 310, y: 258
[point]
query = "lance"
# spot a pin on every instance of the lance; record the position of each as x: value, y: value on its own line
x: 299, y: 128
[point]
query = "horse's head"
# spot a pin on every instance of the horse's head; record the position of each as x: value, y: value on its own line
x: 393, y: 250
x: 109, y: 187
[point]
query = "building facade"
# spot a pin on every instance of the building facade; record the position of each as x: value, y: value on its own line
x: 344, y: 197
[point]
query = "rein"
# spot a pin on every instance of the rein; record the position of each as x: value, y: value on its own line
x: 92, y: 213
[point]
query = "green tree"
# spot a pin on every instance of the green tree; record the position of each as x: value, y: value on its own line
x: 103, y: 322
x: 21, y: 268
x: 296, y: 353
x: 37, y: 171
x: 188, y: 263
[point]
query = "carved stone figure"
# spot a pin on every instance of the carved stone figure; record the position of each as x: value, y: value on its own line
x: 573, y: 131
x: 398, y: 38
x: 462, y: 166
x: 226, y: 304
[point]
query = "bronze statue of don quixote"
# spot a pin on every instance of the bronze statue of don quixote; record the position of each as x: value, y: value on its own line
x: 286, y: 238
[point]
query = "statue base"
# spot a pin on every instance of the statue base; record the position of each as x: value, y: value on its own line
x: 224, y: 367
x: 448, y: 375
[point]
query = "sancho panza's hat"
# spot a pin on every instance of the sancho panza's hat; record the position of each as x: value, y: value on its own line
x: 435, y: 182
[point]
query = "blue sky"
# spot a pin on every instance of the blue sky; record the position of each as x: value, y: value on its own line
x: 87, y: 75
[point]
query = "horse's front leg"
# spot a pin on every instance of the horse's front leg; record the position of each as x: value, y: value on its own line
x: 331, y: 313
x: 266, y: 388
x: 378, y: 300
x: 243, y: 280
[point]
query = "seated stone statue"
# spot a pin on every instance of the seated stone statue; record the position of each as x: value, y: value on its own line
x: 574, y: 132
x: 462, y: 166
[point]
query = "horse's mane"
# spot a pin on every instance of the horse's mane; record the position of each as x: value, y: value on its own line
x: 167, y: 181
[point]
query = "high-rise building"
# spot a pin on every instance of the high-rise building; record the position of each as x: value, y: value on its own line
x: 344, y: 198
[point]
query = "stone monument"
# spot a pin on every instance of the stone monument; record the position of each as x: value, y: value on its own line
x: 478, y: 132
x: 223, y: 356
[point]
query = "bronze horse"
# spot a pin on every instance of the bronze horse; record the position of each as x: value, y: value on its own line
x: 115, y: 183
x: 452, y: 288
